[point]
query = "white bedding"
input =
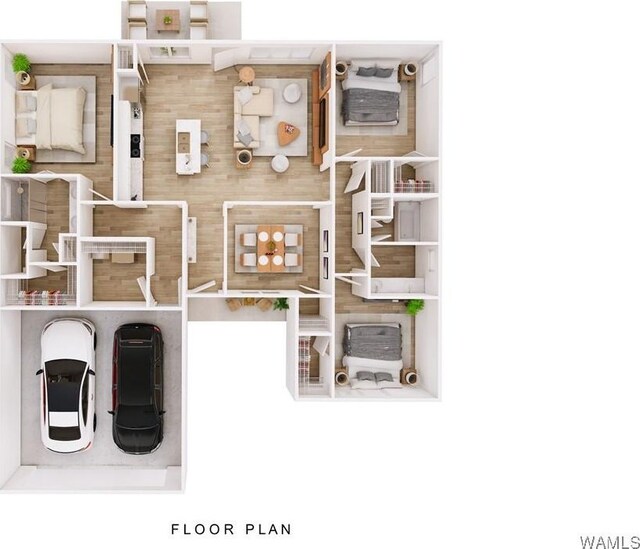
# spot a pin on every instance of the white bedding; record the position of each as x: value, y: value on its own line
x: 59, y: 118
x: 356, y: 364
x: 390, y: 84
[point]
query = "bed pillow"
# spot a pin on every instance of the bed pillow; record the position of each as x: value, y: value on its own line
x: 383, y: 73
x: 364, y: 375
x: 25, y: 102
x: 383, y: 376
x: 245, y: 138
x: 363, y: 384
x: 380, y: 63
x: 367, y: 71
x: 43, y: 116
x: 25, y: 127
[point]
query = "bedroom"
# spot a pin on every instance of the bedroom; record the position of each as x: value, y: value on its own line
x: 382, y: 99
x: 74, y: 136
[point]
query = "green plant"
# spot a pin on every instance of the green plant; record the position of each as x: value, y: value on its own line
x: 281, y: 304
x: 414, y: 306
x: 21, y: 63
x: 168, y: 20
x: 21, y: 165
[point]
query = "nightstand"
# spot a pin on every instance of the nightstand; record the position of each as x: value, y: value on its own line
x: 403, y: 76
x: 28, y: 87
x: 27, y: 151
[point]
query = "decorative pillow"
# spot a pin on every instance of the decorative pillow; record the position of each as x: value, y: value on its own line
x: 243, y: 127
x: 383, y: 376
x: 384, y: 73
x: 364, y: 384
x: 366, y: 71
x: 363, y: 375
x: 245, y: 95
x: 25, y: 127
x: 25, y: 102
x: 245, y: 138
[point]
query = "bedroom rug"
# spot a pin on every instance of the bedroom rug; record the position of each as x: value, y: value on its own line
x: 405, y: 321
x: 294, y: 113
x: 88, y: 122
x: 401, y: 128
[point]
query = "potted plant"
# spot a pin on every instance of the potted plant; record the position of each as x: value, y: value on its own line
x: 410, y: 69
x: 21, y: 63
x: 281, y: 304
x: 21, y: 165
x: 168, y: 20
x: 414, y: 306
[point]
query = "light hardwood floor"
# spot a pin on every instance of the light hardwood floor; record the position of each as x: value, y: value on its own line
x: 57, y: 222
x: 100, y: 172
x: 195, y: 91
x: 307, y: 217
x: 117, y: 282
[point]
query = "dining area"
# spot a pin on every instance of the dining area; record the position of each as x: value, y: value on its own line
x: 273, y: 248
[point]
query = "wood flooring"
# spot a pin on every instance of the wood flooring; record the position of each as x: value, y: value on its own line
x: 100, y: 172
x: 195, y: 91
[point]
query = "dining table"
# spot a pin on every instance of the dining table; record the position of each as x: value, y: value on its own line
x: 270, y: 248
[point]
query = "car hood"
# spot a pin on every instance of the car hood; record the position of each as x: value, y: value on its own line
x: 67, y: 339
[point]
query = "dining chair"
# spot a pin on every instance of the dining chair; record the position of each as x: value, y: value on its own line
x: 292, y: 239
x: 204, y: 160
x: 249, y: 239
x: 248, y: 260
x: 291, y: 260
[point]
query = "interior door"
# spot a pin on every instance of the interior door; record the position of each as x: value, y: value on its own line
x: 358, y: 170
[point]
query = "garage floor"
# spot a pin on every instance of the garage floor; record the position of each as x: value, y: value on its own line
x: 103, y: 451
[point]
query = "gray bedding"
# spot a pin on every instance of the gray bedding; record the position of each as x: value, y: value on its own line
x: 364, y: 105
x: 376, y: 341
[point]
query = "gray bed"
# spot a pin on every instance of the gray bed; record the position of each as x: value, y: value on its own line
x: 373, y: 341
x: 370, y: 100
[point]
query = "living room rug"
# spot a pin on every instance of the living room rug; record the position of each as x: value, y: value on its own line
x: 400, y: 128
x: 293, y: 113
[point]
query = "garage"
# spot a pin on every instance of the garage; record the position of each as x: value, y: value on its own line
x: 103, y: 452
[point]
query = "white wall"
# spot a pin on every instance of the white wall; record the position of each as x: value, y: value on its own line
x: 427, y: 348
x: 269, y: 53
x: 9, y: 393
x: 7, y: 110
x: 428, y: 106
x: 407, y: 51
x: 292, y: 347
x: 64, y: 52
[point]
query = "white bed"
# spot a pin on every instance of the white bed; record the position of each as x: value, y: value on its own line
x: 58, y: 118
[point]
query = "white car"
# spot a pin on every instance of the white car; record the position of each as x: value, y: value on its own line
x: 68, y: 385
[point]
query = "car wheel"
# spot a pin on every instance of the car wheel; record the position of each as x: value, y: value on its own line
x: 95, y: 422
x: 95, y: 341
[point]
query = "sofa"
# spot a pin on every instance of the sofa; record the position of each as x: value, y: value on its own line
x: 247, y: 113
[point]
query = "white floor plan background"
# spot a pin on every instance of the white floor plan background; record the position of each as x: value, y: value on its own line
x: 535, y: 442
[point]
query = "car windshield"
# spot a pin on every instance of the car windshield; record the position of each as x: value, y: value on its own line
x: 136, y: 417
x: 64, y: 433
x: 64, y: 379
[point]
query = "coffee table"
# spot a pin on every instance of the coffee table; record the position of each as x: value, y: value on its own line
x: 174, y: 26
x: 287, y: 133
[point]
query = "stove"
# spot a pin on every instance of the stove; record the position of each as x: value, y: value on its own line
x: 135, y: 145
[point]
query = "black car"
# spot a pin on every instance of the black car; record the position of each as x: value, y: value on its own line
x: 137, y: 388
